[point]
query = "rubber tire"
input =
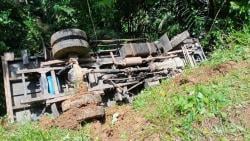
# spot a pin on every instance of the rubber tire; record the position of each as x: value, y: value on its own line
x: 62, y: 49
x: 67, y: 32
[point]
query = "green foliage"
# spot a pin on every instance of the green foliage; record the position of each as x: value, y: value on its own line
x: 32, y: 132
x: 37, y: 20
x: 232, y: 48
x: 241, y: 8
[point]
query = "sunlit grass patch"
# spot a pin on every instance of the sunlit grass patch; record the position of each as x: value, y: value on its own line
x: 32, y: 132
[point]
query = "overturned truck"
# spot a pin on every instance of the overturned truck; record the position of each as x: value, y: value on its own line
x: 106, y: 71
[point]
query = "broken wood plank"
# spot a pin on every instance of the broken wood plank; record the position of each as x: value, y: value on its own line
x: 24, y: 86
x: 39, y: 70
x: 7, y: 91
x: 54, y: 110
x: 17, y: 107
x: 52, y: 62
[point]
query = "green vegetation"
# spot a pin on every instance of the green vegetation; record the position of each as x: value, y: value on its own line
x: 33, y: 22
x: 32, y: 132
x: 178, y: 110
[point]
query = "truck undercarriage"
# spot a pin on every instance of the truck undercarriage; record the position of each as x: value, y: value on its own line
x: 100, y: 72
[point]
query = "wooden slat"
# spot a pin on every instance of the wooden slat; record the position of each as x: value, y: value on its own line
x: 24, y: 86
x: 51, y: 99
x: 44, y: 84
x: 57, y: 99
x: 39, y: 70
x: 43, y: 98
x: 21, y: 106
x: 52, y: 62
x: 7, y: 93
x: 119, y: 40
x: 37, y: 99
x: 16, y: 78
x: 54, y: 110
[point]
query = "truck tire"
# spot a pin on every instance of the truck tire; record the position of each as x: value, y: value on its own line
x: 67, y: 33
x: 62, y: 49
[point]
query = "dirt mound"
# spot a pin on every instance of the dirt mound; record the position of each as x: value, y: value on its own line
x: 72, y: 118
x: 80, y: 107
x: 206, y: 74
x: 46, y: 122
x: 122, y: 122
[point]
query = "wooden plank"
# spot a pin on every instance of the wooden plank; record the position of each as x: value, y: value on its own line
x: 21, y: 106
x: 24, y: 86
x: 39, y: 70
x: 57, y: 99
x: 17, y: 88
x: 54, y: 110
x: 44, y: 84
x: 52, y: 62
x: 7, y: 91
x: 37, y: 99
x: 16, y: 78
x: 65, y: 97
x: 119, y: 40
x: 43, y: 98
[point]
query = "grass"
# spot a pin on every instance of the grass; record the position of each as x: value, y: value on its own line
x: 32, y: 132
x: 237, y: 48
x: 176, y: 111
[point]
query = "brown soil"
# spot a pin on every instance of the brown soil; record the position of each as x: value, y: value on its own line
x: 46, y: 122
x: 241, y: 115
x: 77, y: 112
x: 73, y: 118
x: 206, y: 74
x: 129, y: 125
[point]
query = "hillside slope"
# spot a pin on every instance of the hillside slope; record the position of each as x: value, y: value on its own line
x: 210, y: 102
